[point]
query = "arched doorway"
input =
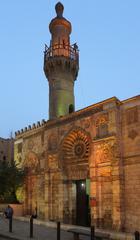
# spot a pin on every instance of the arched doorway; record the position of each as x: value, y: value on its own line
x: 75, y: 152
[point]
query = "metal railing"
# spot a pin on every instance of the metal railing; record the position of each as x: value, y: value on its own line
x: 71, y: 52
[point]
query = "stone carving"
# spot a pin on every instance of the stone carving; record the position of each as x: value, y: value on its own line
x: 132, y: 134
x: 32, y: 162
x: 106, y: 152
x: 85, y: 123
x: 79, y: 148
x: 52, y: 142
x: 102, y: 119
x: 102, y: 126
x: 75, y: 147
x: 102, y: 154
x: 80, y: 173
x: 30, y: 144
x: 52, y: 162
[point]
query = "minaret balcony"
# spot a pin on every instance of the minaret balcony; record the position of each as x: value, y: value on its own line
x: 61, y: 50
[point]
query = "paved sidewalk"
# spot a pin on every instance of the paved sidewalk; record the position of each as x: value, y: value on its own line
x: 21, y: 231
x: 44, y: 230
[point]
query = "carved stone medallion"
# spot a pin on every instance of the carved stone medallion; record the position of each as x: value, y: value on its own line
x: 75, y: 148
x: 79, y: 148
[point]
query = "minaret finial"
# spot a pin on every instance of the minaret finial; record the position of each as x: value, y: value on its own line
x: 59, y: 9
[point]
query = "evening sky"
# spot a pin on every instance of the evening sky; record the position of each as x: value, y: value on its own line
x: 108, y: 35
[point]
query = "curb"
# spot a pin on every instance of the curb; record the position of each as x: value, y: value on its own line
x: 9, y: 237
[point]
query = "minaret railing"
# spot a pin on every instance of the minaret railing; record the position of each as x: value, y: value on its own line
x: 71, y: 52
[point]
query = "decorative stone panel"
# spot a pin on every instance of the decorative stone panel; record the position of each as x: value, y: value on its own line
x: 131, y: 115
x: 52, y: 142
x: 32, y: 162
x: 101, y: 124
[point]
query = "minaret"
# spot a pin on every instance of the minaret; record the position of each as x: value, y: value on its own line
x: 61, y: 65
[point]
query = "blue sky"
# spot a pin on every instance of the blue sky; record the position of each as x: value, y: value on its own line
x: 108, y: 35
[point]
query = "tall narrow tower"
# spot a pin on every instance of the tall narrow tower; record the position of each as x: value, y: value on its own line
x: 61, y: 64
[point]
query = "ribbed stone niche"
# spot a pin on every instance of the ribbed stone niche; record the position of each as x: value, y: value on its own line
x: 76, y: 148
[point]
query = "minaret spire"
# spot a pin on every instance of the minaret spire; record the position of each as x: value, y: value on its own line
x: 59, y: 9
x: 61, y: 65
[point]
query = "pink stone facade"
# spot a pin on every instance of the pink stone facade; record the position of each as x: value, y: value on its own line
x: 100, y: 143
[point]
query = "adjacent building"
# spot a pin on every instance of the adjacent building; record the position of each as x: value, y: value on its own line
x: 6, y: 149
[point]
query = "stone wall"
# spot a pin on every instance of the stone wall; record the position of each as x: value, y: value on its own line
x: 131, y: 158
x: 99, y: 143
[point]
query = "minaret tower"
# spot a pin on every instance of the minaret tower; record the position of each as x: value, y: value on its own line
x: 61, y: 64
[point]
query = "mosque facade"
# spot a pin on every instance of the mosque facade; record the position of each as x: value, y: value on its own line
x: 83, y: 167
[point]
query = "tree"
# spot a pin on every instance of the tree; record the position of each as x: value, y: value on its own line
x: 11, y: 178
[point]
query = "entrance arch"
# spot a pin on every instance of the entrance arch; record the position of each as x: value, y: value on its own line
x: 75, y: 152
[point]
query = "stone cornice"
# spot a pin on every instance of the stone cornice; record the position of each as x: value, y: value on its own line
x: 131, y: 99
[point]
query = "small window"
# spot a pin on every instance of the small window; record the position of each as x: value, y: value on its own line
x: 71, y: 108
x: 4, y: 158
